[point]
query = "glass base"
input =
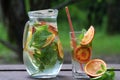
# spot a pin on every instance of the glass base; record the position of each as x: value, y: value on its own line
x: 82, y: 76
x: 43, y: 76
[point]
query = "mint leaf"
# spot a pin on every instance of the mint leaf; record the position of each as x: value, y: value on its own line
x: 103, y: 67
x: 39, y: 37
x: 47, y: 58
x: 84, y: 31
x: 41, y: 28
x: 99, y: 71
x: 82, y: 34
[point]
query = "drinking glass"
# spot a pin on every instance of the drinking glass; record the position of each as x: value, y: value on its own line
x: 42, y: 49
x: 80, y: 55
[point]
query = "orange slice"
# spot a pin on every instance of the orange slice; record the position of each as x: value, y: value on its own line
x: 82, y: 54
x: 52, y: 30
x: 60, y: 49
x: 31, y: 52
x: 88, y: 36
x: 29, y: 37
x: 49, y: 40
x: 95, y: 67
x: 33, y: 30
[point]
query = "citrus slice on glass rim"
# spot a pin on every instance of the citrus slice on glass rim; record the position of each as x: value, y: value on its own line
x: 95, y: 67
x: 88, y: 36
x: 82, y: 54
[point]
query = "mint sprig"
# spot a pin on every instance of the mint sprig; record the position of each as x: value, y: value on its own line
x: 47, y: 58
x: 101, y: 70
x: 44, y: 57
x: 103, y: 67
x: 108, y: 75
x: 40, y: 36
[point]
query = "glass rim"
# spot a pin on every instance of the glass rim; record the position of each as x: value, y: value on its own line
x: 76, y: 33
x: 45, y: 13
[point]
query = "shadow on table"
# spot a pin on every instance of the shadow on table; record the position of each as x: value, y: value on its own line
x: 59, y: 77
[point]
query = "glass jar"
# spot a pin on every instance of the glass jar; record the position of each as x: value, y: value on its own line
x: 42, y: 49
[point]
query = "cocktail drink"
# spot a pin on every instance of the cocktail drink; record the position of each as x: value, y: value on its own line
x: 81, y: 51
x: 83, y: 67
x: 42, y: 49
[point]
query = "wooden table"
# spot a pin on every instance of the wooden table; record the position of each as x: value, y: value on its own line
x: 18, y: 72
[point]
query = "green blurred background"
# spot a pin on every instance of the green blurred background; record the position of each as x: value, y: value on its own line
x: 102, y: 14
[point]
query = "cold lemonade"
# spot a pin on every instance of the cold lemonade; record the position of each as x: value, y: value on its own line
x: 43, y: 54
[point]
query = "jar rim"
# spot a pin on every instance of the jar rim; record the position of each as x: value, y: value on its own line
x: 46, y: 13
